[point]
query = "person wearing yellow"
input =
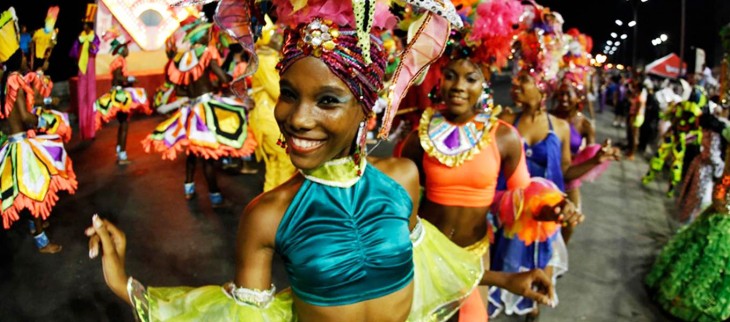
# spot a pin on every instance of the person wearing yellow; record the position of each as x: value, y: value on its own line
x: 265, y: 88
x: 44, y: 39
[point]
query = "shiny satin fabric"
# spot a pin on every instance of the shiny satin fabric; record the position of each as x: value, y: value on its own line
x: 346, y: 245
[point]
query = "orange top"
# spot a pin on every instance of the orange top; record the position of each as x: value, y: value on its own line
x: 189, y: 66
x: 15, y: 83
x: 119, y: 62
x: 473, y: 183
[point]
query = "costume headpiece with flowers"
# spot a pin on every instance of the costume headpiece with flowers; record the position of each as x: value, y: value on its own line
x: 341, y: 33
x: 575, y: 63
x: 486, y: 40
x: 540, y: 44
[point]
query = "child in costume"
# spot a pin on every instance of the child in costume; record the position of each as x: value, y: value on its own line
x: 382, y: 274
x: 208, y: 127
x: 122, y: 100
x: 33, y: 168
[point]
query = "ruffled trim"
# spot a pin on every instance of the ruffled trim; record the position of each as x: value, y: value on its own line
x: 583, y: 156
x: 451, y: 160
x: 180, y: 77
x: 221, y: 151
x: 43, y: 208
x: 136, y: 107
x: 16, y: 82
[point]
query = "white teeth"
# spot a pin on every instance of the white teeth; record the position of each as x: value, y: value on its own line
x: 306, y: 144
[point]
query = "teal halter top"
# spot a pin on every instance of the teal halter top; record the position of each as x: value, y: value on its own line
x: 344, y: 238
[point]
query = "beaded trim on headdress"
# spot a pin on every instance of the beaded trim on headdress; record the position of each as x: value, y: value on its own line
x: 540, y: 44
x: 243, y: 19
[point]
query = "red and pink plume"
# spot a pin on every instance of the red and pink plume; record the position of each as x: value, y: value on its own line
x: 339, y: 12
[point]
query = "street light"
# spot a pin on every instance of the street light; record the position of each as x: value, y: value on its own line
x: 632, y: 23
x: 624, y: 36
x: 617, y: 43
x: 619, y: 22
x: 614, y: 35
x: 609, y: 43
x: 663, y: 37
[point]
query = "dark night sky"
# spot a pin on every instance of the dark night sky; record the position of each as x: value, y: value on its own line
x: 594, y: 17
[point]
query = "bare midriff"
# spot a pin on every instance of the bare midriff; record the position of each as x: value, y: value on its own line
x: 393, y: 307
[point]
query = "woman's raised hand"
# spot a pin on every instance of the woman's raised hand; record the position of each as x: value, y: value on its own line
x: 108, y: 240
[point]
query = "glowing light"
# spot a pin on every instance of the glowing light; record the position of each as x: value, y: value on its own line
x: 620, y: 67
x: 663, y: 37
x: 619, y: 22
x: 632, y: 23
x: 129, y: 13
x: 614, y: 35
x: 624, y: 36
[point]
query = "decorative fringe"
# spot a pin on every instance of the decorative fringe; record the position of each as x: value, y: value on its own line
x: 170, y: 152
x: 43, y: 208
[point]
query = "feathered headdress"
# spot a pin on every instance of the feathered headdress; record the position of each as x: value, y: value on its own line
x: 488, y: 34
x: 51, y: 18
x: 539, y: 45
x: 342, y: 32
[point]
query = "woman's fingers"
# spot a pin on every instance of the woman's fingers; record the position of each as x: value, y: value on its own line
x: 94, y: 246
x: 107, y: 245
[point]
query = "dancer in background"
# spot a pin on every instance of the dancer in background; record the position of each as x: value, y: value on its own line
x: 33, y: 168
x: 208, y: 127
x: 84, y: 50
x: 122, y: 100
x: 461, y: 148
x: 265, y: 93
x: 569, y: 99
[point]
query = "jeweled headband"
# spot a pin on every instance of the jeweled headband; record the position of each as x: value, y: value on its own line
x: 338, y: 48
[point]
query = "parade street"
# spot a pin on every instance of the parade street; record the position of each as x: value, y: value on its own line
x: 173, y: 242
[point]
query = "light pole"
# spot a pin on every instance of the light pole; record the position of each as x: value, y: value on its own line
x: 634, y: 24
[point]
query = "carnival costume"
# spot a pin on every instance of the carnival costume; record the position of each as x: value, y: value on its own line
x: 207, y: 126
x: 120, y: 99
x: 352, y: 196
x: 265, y: 93
x: 44, y: 39
x: 686, y: 130
x: 33, y: 168
x: 690, y: 278
x: 84, y: 50
x: 511, y: 250
x: 49, y: 121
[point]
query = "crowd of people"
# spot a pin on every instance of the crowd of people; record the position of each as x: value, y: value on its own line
x: 470, y: 219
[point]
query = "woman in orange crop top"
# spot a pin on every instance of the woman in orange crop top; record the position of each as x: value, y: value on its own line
x: 460, y: 149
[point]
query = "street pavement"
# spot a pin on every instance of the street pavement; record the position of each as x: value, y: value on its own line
x: 174, y: 242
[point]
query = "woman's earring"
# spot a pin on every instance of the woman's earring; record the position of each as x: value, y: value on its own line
x: 435, y: 94
x: 281, y: 142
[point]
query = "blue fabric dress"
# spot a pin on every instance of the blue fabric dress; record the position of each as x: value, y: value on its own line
x: 544, y: 160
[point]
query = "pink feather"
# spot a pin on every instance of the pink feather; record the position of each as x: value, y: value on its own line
x: 339, y: 12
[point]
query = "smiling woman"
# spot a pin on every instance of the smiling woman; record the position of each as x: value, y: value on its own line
x: 345, y: 226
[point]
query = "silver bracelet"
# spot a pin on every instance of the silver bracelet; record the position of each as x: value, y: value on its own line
x: 247, y: 296
x: 417, y: 233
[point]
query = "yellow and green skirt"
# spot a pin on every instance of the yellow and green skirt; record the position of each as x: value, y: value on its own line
x: 209, y: 127
x: 33, y: 169
x: 120, y: 100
